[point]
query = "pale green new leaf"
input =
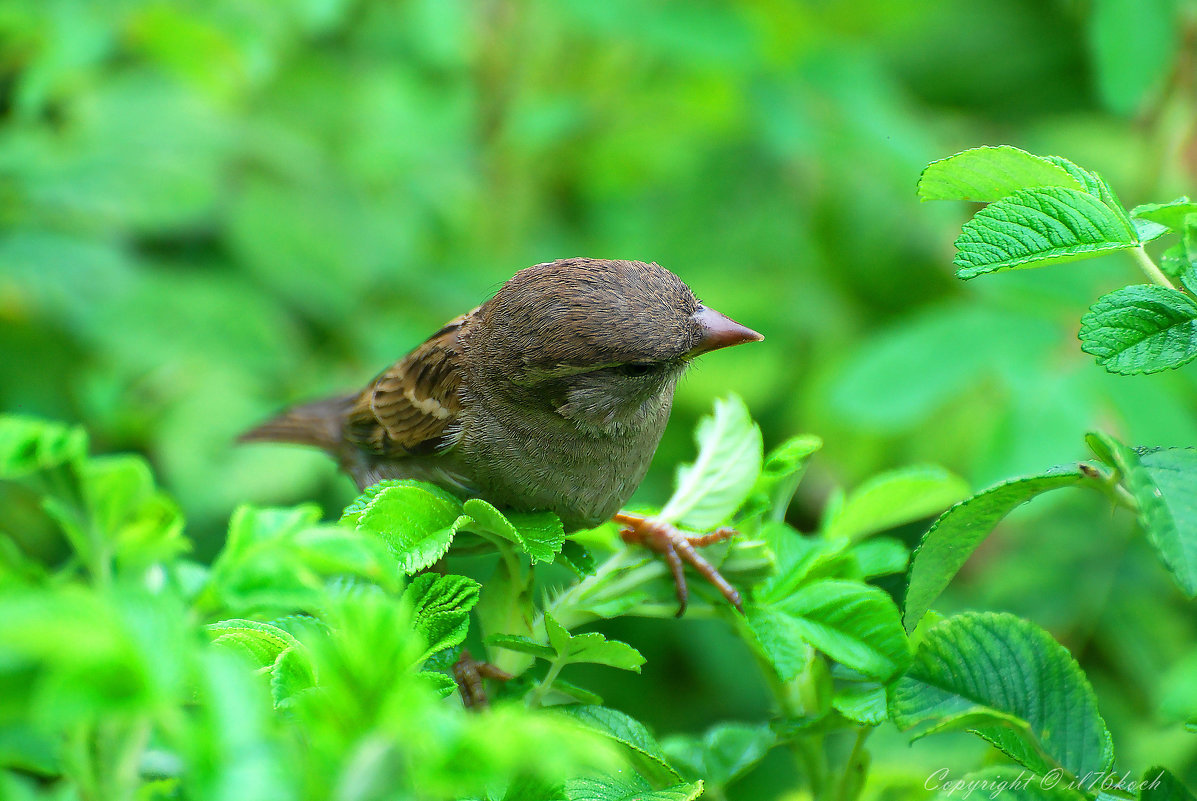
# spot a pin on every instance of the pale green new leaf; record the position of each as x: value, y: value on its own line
x: 1143, y: 328
x: 729, y: 461
x: 780, y: 475
x: 538, y: 534
x: 521, y: 645
x: 855, y: 624
x: 986, y: 174
x: 263, y: 642
x: 955, y: 535
x: 591, y: 647
x: 1008, y: 681
x: 353, y: 512
x: 1035, y: 227
x: 416, y: 520
x: 894, y: 498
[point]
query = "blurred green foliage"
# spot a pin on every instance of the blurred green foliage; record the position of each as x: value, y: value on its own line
x: 211, y: 209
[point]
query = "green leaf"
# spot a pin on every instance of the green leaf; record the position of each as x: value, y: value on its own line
x: 29, y: 445
x: 1008, y: 681
x: 880, y: 556
x: 441, y: 608
x: 262, y: 642
x: 1094, y: 184
x: 1188, y: 278
x: 124, y: 502
x: 358, y: 506
x: 1180, y: 260
x: 1160, y: 784
x: 798, y: 558
x: 416, y: 520
x: 251, y: 527
x: 986, y: 174
x: 1003, y: 781
x: 781, y: 473
x: 1171, y: 215
x: 859, y: 698
x: 1142, y: 328
x: 279, y: 560
x: 522, y: 645
x: 729, y: 461
x: 443, y: 684
x: 333, y: 550
x: 578, y: 559
x: 630, y: 733
x: 1035, y: 227
x: 855, y: 624
x: 724, y: 753
x: 1148, y: 231
x: 894, y: 498
x: 579, y: 694
x: 955, y: 535
x: 628, y: 788
x: 538, y: 534
x: 1163, y: 481
x: 591, y: 647
x: 126, y: 516
x: 291, y: 673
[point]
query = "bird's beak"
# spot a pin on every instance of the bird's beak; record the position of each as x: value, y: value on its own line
x: 720, y: 331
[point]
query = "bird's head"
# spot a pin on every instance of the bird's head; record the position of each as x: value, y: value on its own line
x: 599, y: 342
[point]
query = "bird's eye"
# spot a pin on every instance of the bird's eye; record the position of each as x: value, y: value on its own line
x: 635, y: 368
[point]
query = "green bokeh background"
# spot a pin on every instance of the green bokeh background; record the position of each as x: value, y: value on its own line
x: 209, y: 210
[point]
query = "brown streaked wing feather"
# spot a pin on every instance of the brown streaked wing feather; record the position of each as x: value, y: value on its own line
x: 410, y: 407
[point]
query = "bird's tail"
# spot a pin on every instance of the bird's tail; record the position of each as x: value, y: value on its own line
x: 317, y: 423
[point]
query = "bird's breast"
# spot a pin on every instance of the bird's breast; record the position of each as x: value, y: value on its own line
x: 544, y: 462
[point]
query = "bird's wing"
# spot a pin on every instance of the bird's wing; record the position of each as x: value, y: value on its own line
x: 412, y: 408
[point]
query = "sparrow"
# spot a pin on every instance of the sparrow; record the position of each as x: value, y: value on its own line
x: 552, y: 395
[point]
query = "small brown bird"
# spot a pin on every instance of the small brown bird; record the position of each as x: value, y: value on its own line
x: 552, y: 395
